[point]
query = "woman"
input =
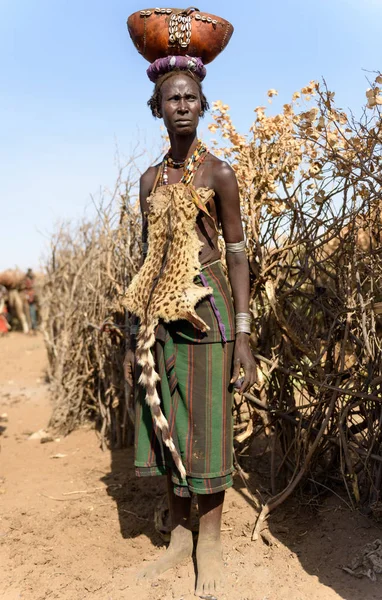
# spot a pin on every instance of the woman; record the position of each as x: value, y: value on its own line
x: 197, y: 369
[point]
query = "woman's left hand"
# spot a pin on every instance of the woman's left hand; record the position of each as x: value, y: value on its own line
x: 242, y: 358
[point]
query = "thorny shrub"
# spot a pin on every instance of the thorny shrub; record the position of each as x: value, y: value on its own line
x: 310, y: 185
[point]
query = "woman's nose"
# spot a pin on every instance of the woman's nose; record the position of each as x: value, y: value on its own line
x: 183, y: 107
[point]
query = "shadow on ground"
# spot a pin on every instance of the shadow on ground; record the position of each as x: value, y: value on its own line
x: 135, y: 498
x: 322, y: 532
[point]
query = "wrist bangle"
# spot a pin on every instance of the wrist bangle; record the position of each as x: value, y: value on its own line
x: 243, y: 322
x: 235, y: 247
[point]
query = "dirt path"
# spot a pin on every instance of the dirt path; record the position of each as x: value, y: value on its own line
x: 79, y: 525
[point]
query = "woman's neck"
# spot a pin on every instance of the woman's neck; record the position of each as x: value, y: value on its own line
x: 182, y: 147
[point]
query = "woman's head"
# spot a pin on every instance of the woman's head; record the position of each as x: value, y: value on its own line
x: 175, y: 89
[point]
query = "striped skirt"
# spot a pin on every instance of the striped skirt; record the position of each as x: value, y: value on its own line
x: 196, y: 398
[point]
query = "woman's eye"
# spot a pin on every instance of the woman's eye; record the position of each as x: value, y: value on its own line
x: 177, y: 98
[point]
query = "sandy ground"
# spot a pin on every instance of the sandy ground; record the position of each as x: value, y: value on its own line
x: 76, y: 524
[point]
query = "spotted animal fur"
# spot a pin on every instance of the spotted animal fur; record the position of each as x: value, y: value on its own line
x: 164, y: 288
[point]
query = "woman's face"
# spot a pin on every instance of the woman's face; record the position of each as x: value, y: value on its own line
x: 181, y: 105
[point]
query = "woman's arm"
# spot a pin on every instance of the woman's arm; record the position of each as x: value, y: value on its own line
x: 227, y: 192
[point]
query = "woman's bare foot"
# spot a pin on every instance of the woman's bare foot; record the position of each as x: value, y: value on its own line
x: 180, y: 549
x: 210, y: 568
x: 209, y: 552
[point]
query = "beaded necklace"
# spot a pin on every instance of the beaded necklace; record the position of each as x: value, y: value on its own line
x: 189, y: 167
x: 175, y: 164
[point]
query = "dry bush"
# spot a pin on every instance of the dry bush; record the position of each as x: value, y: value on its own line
x: 310, y: 182
x: 89, y: 268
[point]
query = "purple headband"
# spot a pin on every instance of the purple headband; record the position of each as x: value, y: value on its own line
x: 176, y: 63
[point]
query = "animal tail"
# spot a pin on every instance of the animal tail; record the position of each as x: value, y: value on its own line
x: 149, y: 379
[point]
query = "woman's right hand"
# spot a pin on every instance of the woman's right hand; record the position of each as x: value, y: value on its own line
x: 129, y: 366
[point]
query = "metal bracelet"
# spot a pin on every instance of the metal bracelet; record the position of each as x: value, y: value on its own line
x: 243, y: 318
x: 243, y: 322
x: 235, y: 247
x: 243, y: 329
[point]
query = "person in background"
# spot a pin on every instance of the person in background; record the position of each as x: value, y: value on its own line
x: 31, y: 298
x: 4, y: 325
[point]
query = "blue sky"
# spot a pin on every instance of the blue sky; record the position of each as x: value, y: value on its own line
x: 73, y: 89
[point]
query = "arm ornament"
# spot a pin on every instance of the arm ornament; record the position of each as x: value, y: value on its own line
x: 235, y: 248
x: 243, y: 323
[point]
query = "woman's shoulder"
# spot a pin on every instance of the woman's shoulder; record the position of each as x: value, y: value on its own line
x: 217, y: 165
x: 150, y: 173
x: 220, y: 170
x: 148, y: 178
